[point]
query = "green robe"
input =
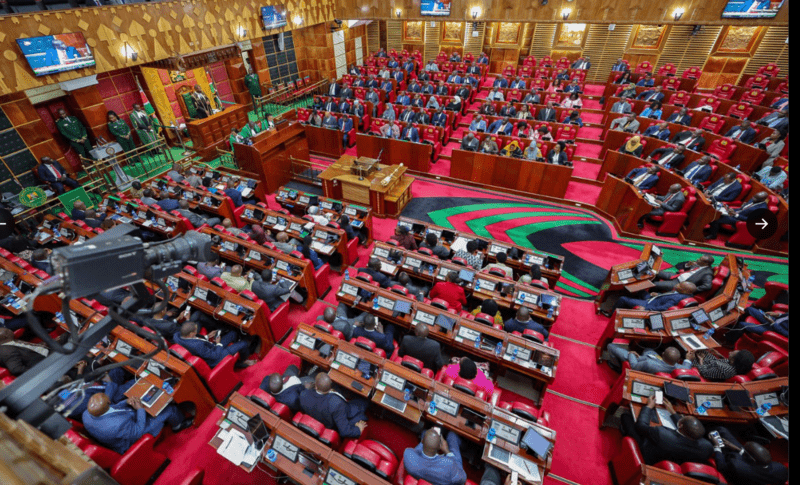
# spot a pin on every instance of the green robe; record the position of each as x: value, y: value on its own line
x: 122, y: 133
x: 236, y: 138
x: 144, y: 126
x: 74, y: 131
x: 250, y: 133
x: 253, y: 85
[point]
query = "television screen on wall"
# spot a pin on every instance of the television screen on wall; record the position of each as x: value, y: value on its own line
x: 272, y: 18
x: 751, y: 9
x: 435, y: 7
x: 50, y: 54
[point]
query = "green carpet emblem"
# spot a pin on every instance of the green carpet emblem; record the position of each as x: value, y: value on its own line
x: 32, y: 197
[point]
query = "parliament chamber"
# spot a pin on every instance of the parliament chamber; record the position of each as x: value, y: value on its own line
x: 395, y: 243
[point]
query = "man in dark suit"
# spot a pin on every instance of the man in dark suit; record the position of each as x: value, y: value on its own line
x: 646, y: 81
x: 725, y: 189
x: 408, y: 66
x: 230, y: 191
x: 439, y: 118
x: 421, y: 347
x: 522, y: 321
x: 41, y: 260
x: 548, y: 113
x: 119, y: 426
x: 483, y: 58
x: 393, y: 64
x: 403, y: 99
x: 518, y: 83
x: 422, y: 118
x: 500, y: 82
x: 407, y: 115
x: 347, y: 93
x: 698, y: 171
x: 374, y: 330
x: 654, y: 94
x: 398, y: 75
x: 655, y: 302
x: 410, y: 133
x: 672, y: 201
x: 462, y: 92
x: 681, y: 117
x: 442, y: 89
x: 691, y: 139
x: 474, y: 69
x: 469, y: 142
x: 743, y: 132
x: 53, y: 173
x: 657, y: 443
x: 359, y: 83
x: 17, y: 356
x: 345, y: 125
x: 78, y: 212
x: 454, y: 78
x: 758, y: 201
x: 427, y: 87
x: 750, y: 464
x: 777, y: 120
x: 286, y: 388
x: 668, y: 157
x: 582, y: 63
x: 374, y: 269
x: 501, y: 127
x: 698, y: 272
x: 417, y: 101
x: 487, y: 109
x: 372, y: 82
x: 573, y: 87
x: 658, y: 130
x: 334, y: 90
x: 507, y: 111
x: 331, y: 105
x: 213, y: 350
x: 331, y: 409
x: 619, y: 66
x: 643, y: 178
x: 413, y: 87
x: 343, y: 106
x: 532, y: 97
x: 381, y: 53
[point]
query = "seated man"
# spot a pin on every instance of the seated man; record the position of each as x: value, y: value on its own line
x: 469, y: 142
x: 628, y: 124
x: 767, y: 322
x: 436, y: 460
x: 725, y: 189
x: 17, y: 356
x: 471, y: 255
x: 176, y: 173
x: 649, y: 361
x: 41, y: 260
x: 432, y: 242
x: 450, y: 291
x: 404, y: 238
x: 771, y: 176
x: 271, y: 293
x: 194, y: 218
x: 166, y: 326
x: 758, y: 201
x: 668, y: 157
x: 214, y: 347
x: 339, y: 320
x: 76, y: 399
x: 284, y: 243
x: 699, y: 272
x: 698, y: 171
x: 374, y: 269
x: 502, y: 126
x: 643, y: 178
x: 211, y: 269
x: 672, y: 201
x: 53, y: 173
x: 286, y: 388
x: 691, y: 139
x: 522, y: 321
x: 501, y: 265
x: 477, y: 124
x: 421, y: 347
x: 750, y: 464
x: 659, y: 302
x: 743, y: 132
x: 718, y: 369
x: 348, y: 418
x: 167, y: 201
x: 658, y: 130
x: 121, y: 425
x: 317, y: 216
x: 418, y: 291
x: 235, y: 195
x: 372, y: 329
x: 659, y: 443
x: 235, y: 279
x: 79, y: 210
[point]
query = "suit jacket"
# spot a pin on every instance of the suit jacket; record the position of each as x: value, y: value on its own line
x: 740, y: 470
x: 660, y: 443
x: 427, y: 350
x: 650, y: 95
x: 648, y: 183
x: 561, y: 159
x: 665, y: 151
x: 442, y: 91
x: 644, y: 82
x: 120, y: 429
x: 619, y: 66
x: 357, y: 110
x: 427, y: 89
x: 42, y: 265
x: 518, y: 84
x: 507, y: 110
x: 701, y: 175
x: 407, y: 116
x: 332, y: 411
x: 359, y: 83
x: 532, y: 98
x: 483, y: 60
x: 578, y: 64
x: 674, y: 204
x: 344, y: 107
x: 495, y: 127
x: 408, y: 66
x: 454, y: 79
x: 347, y: 93
x: 621, y: 107
x: 410, y: 133
x: 212, y: 354
x: 664, y: 301
x: 17, y: 359
x: 477, y: 125
x: 424, y: 76
x: 404, y: 100
x: 414, y: 88
x: 500, y: 82
x: 546, y: 114
x: 330, y: 122
x: 462, y: 93
x: 695, y: 145
x: 47, y: 175
x: 572, y: 88
x: 422, y: 118
x: 345, y: 124
x: 377, y: 276
x: 439, y: 119
x: 702, y: 278
x: 727, y: 195
x: 392, y: 64
x: 331, y: 106
x: 748, y: 208
x: 746, y: 137
x: 655, y: 132
x: 680, y: 119
x: 471, y: 145
x: 288, y: 396
x: 334, y: 90
x: 619, y: 123
x: 782, y: 125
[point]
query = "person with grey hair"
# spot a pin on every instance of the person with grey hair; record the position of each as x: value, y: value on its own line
x: 314, y: 213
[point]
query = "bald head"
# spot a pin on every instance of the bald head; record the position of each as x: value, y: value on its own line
x: 523, y: 314
x: 760, y: 197
x: 329, y: 315
x: 79, y: 205
x: 674, y: 188
x: 98, y: 404
x: 705, y: 260
x: 686, y: 288
x: 671, y: 355
x: 431, y: 441
x: 758, y: 453
x: 691, y: 427
x: 226, y: 223
x: 421, y: 330
x: 374, y: 264
x: 282, y: 237
x: 323, y: 382
x: 275, y: 383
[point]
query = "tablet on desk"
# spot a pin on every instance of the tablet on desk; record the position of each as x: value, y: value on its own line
x: 536, y: 443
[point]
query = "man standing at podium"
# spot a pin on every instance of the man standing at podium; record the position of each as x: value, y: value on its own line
x: 74, y: 131
x: 201, y: 103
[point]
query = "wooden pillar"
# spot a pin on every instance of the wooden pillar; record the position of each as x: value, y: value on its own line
x: 87, y: 105
x: 258, y: 61
x: 236, y: 72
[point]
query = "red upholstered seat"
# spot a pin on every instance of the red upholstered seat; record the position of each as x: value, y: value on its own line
x: 740, y: 111
x: 484, y: 318
x: 771, y: 359
x: 368, y: 344
x: 726, y: 91
x: 372, y: 455
x: 439, y: 303
x: 315, y: 429
x: 267, y: 400
x: 399, y: 289
x: 722, y: 149
x: 644, y: 67
x: 757, y: 81
x: 221, y: 283
x: 667, y: 69
x: 770, y: 70
x: 414, y: 364
x: 426, y: 251
x: 689, y: 375
x: 693, y: 72
x: 221, y: 380
x: 364, y: 277
x: 753, y: 96
x: 741, y: 237
x: 669, y: 466
x: 529, y: 61
x: 761, y: 374
x: 672, y: 222
x: 720, y: 275
x: 432, y: 135
x: 771, y: 291
x: 460, y: 261
x: 566, y: 132
x: 521, y: 409
x: 563, y: 63
x: 139, y: 463
x: 327, y: 328
x: 671, y: 83
x: 628, y: 465
x: 680, y: 98
x: 701, y: 471
x: 194, y: 477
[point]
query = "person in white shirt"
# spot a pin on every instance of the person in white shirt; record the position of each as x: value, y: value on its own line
x: 313, y: 211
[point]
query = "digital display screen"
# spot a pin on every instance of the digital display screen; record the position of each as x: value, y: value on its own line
x: 248, y: 213
x: 716, y: 314
x: 700, y: 316
x: 714, y: 400
x: 305, y: 340
x: 525, y: 297
x: 680, y: 323
x: 51, y: 54
x: 768, y: 397
x: 424, y: 317
x: 393, y: 381
x: 468, y: 333
x: 381, y: 252
x: 200, y: 293
x: 337, y: 478
x: 155, y: 368
x: 642, y: 389
x: 749, y: 9
x: 386, y: 303
x: 506, y: 432
x: 253, y: 254
x: 231, y: 307
x: 346, y: 359
x: 272, y: 18
x: 237, y: 417
x: 435, y: 7
x: 349, y: 289
x: 448, y: 406
x: 625, y: 274
x: 296, y: 227
x: 532, y: 259
x: 485, y: 285
x: 326, y: 205
x: 304, y: 199
x: 494, y: 249
x: 282, y: 446
x: 320, y: 234
x: 272, y: 220
x: 522, y: 353
x: 413, y: 262
x: 633, y: 322
x: 229, y: 246
x: 655, y: 251
x: 121, y: 347
x: 172, y: 282
x: 282, y: 265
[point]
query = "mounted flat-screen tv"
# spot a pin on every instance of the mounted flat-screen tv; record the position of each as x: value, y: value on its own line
x: 751, y: 9
x: 435, y: 7
x: 50, y: 54
x: 272, y: 18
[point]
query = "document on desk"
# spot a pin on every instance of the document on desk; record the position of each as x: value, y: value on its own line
x: 234, y: 447
x: 666, y: 419
x: 527, y: 469
x: 460, y: 244
x: 387, y: 268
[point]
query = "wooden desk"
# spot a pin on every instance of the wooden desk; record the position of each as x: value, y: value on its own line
x: 208, y: 134
x: 511, y: 173
x: 297, y: 203
x: 418, y: 386
x: 622, y: 203
x: 657, y: 476
x: 415, y: 156
x: 448, y: 400
x: 614, y: 286
x: 166, y: 225
x: 271, y: 153
x: 324, y: 141
x: 338, y: 465
x: 341, y: 183
x: 218, y: 204
x: 346, y: 355
x: 236, y: 411
x: 49, y: 303
x: 505, y: 422
x: 142, y: 386
x: 686, y: 84
x: 222, y: 174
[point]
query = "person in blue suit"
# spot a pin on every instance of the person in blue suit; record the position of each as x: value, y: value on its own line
x: 403, y: 99
x: 477, y: 124
x: 120, y: 425
x: 41, y: 260
x: 658, y: 130
x: 652, y: 95
x: 398, y: 75
x: 373, y: 330
x: 646, y: 81
x: 211, y: 352
x: 410, y: 133
x: 234, y: 194
x: 54, y: 174
x: 757, y: 202
x: 698, y: 171
x: 518, y: 83
x: 437, y: 460
x: 374, y: 270
x: 334, y: 89
x: 500, y: 82
x: 522, y: 321
x: 659, y: 302
x: 743, y: 132
x: 725, y: 189
x: 408, y: 66
x: 345, y: 125
x: 344, y: 106
x: 643, y: 178
x: 392, y: 63
x: 454, y: 78
x: 413, y: 87
x: 501, y: 127
x: 348, y: 418
x: 286, y: 388
x: 573, y: 87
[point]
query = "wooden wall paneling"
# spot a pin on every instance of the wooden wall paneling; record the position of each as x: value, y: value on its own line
x: 472, y: 44
x: 394, y: 35
x: 432, y: 35
x: 686, y: 50
x: 604, y: 47
x: 373, y: 37
x: 258, y: 61
x: 542, y: 40
x: 87, y: 104
x: 773, y: 48
x: 236, y: 71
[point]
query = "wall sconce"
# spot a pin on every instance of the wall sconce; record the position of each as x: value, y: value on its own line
x: 398, y: 13
x: 565, y: 13
x: 677, y: 14
x: 128, y: 52
x: 241, y: 32
x: 297, y: 20
x: 476, y: 11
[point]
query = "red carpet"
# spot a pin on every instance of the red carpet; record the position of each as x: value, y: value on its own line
x: 592, y: 104
x: 585, y: 193
x: 590, y: 132
x: 594, y: 89
x: 585, y: 170
x: 596, y: 118
x: 588, y: 150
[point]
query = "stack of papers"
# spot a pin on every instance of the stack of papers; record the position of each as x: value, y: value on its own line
x: 233, y: 447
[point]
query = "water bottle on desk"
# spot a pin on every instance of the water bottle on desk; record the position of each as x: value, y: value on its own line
x: 478, y: 343
x: 375, y: 305
x: 491, y: 434
x: 703, y: 407
x: 432, y: 407
x: 550, y: 312
x: 708, y: 334
x: 407, y: 394
x: 346, y: 274
x: 514, y: 355
x: 498, y: 349
x: 764, y: 409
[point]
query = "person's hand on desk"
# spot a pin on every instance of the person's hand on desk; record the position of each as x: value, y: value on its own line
x: 651, y: 402
x: 135, y: 403
x: 361, y: 425
x: 669, y: 406
x: 690, y: 355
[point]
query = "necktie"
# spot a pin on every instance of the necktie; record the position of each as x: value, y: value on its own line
x: 692, y: 171
x: 665, y: 160
x: 738, y: 134
x: 55, y: 172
